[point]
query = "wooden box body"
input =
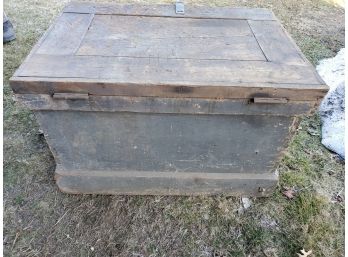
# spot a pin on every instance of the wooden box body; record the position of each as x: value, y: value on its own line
x: 142, y: 100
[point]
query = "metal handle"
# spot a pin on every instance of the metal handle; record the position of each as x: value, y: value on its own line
x: 270, y: 100
x: 70, y: 96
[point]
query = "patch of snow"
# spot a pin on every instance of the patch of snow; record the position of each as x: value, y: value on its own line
x: 332, y: 107
x: 332, y: 70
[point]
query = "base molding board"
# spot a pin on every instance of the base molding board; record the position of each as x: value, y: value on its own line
x: 165, y: 183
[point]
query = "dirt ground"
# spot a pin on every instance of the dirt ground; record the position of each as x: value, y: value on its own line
x: 41, y: 221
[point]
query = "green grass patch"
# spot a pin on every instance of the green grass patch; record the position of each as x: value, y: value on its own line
x: 19, y: 200
x: 313, y: 49
x: 305, y: 207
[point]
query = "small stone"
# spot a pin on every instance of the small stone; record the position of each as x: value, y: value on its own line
x: 246, y: 202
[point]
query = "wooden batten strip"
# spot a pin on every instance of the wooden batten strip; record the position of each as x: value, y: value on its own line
x: 293, y: 92
x: 82, y: 102
x: 169, y: 11
x: 164, y: 183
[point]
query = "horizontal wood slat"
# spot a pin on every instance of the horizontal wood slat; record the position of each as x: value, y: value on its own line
x: 183, y: 77
x: 170, y: 38
x: 162, y: 105
x: 296, y: 92
x: 169, y: 11
x: 157, y: 183
x: 166, y: 71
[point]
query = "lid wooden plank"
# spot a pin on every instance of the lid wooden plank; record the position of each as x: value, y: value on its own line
x: 154, y: 27
x: 275, y: 43
x: 170, y: 38
x: 229, y: 48
x: 169, y: 11
x: 167, y: 71
x: 66, y: 35
x: 42, y: 85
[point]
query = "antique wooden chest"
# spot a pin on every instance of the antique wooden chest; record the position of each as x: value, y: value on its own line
x: 167, y: 99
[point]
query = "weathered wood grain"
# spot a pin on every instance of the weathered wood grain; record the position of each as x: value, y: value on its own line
x: 168, y: 57
x: 292, y: 41
x: 164, y: 183
x: 169, y: 11
x: 275, y: 43
x: 78, y: 102
x: 167, y: 71
x: 156, y: 37
x: 38, y: 44
x: 44, y: 85
x: 103, y: 27
x: 165, y: 142
x: 66, y: 35
x: 140, y: 76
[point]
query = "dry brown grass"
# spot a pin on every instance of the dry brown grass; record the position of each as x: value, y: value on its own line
x: 41, y: 221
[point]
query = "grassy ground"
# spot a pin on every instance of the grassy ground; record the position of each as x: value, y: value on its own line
x: 41, y: 221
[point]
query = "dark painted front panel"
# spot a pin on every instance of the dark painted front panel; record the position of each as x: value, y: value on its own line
x: 164, y: 142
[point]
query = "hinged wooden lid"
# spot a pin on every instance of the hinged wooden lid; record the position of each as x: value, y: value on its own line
x: 133, y: 50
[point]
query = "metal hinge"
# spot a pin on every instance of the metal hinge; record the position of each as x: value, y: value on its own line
x: 70, y: 96
x: 179, y: 7
x: 270, y: 100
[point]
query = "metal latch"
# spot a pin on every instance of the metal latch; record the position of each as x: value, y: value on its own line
x: 270, y: 100
x: 179, y: 7
x: 70, y: 96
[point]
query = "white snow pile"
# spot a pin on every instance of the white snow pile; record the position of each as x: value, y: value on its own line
x: 332, y: 107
